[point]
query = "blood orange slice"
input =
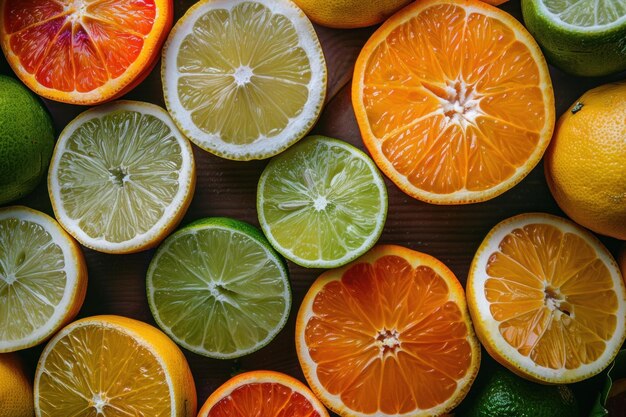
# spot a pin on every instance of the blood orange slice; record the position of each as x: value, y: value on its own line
x: 454, y: 100
x: 388, y: 335
x: 263, y: 393
x: 83, y: 51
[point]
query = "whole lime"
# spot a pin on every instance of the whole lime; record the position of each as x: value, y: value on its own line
x: 500, y: 393
x: 583, y: 37
x: 26, y: 140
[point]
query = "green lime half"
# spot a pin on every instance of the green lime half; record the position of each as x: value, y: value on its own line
x: 582, y: 37
x: 322, y: 203
x: 218, y: 288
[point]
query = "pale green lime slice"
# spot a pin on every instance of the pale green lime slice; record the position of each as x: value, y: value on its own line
x: 43, y: 278
x: 322, y: 203
x: 218, y: 288
x: 121, y: 177
x: 582, y: 37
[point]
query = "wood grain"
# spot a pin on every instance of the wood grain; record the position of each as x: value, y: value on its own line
x: 227, y: 188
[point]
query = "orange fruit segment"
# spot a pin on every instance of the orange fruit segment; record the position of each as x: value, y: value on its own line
x: 263, y: 393
x: 547, y: 299
x: 83, y: 51
x: 454, y: 100
x: 113, y: 366
x: 388, y: 335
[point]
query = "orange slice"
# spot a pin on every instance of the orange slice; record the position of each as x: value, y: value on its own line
x: 83, y: 51
x: 263, y: 393
x: 115, y: 367
x: 388, y: 335
x: 454, y: 100
x: 547, y: 299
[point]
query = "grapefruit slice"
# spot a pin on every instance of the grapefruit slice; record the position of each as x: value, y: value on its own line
x: 263, y: 393
x: 83, y: 51
x: 388, y: 335
x: 547, y: 299
x: 454, y: 100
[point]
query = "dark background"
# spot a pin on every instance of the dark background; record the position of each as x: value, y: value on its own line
x: 227, y: 188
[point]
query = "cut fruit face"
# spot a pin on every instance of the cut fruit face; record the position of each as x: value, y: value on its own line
x: 43, y: 278
x: 83, y: 51
x: 454, y: 101
x: 113, y: 366
x: 218, y: 288
x: 263, y: 393
x: 322, y: 203
x: 547, y: 299
x: 585, y: 15
x: 388, y: 335
x: 244, y: 79
x: 121, y: 177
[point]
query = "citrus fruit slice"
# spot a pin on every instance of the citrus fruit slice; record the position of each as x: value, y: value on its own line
x: 262, y: 393
x: 347, y: 14
x: 244, y: 79
x: 218, y: 288
x: 121, y: 177
x: 388, y: 335
x: 322, y: 203
x: 43, y: 278
x: 113, y: 366
x: 83, y: 51
x: 547, y: 299
x: 16, y: 390
x: 582, y: 37
x: 454, y: 100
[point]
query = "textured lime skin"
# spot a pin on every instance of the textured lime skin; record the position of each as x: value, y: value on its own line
x: 500, y: 393
x: 591, y: 54
x: 26, y: 140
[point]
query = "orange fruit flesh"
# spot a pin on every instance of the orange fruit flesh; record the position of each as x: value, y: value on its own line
x: 113, y: 369
x: 452, y: 99
x: 80, y: 45
x: 386, y: 337
x: 552, y: 296
x: 263, y: 399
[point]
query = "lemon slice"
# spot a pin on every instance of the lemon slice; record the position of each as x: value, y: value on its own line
x: 244, y: 79
x: 121, y: 177
x: 218, y: 288
x: 43, y: 278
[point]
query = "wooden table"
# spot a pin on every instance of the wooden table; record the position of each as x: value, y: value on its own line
x: 227, y: 188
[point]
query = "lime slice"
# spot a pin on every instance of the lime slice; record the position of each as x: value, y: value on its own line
x: 244, y: 79
x: 218, y: 288
x: 43, y: 278
x: 582, y: 37
x: 121, y: 177
x: 322, y: 203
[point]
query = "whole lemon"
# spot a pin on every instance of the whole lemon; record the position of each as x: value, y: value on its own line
x: 16, y: 392
x: 26, y: 140
x: 346, y: 14
x: 585, y: 163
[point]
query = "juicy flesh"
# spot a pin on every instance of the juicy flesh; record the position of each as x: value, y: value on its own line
x: 263, y: 399
x: 587, y: 13
x: 322, y: 194
x: 387, y: 337
x: 217, y: 290
x: 552, y: 296
x: 77, y: 45
x: 118, y: 174
x: 96, y: 371
x: 31, y: 285
x: 453, y: 100
x: 250, y: 78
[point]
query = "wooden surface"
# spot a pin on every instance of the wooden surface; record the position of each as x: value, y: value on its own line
x: 227, y: 188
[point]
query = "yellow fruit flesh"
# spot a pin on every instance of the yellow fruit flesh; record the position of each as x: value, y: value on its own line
x: 241, y: 88
x: 553, y: 297
x: 102, y: 369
